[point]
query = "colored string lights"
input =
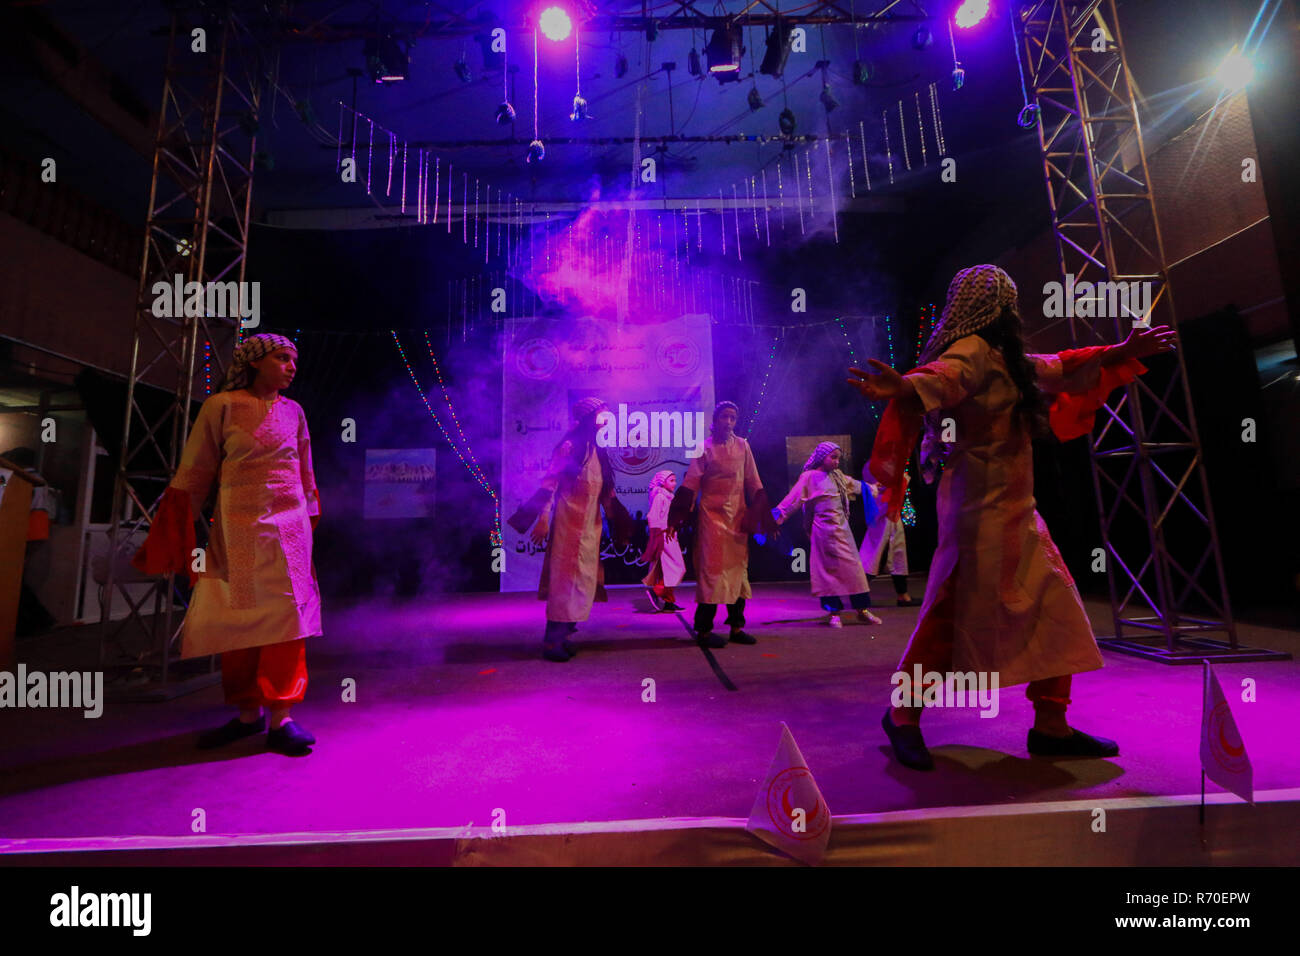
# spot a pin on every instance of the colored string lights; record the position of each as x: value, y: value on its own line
x: 475, y: 471
x: 762, y: 388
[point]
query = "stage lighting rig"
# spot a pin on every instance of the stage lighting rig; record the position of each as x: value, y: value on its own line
x: 724, y: 51
x: 387, y: 60
x: 779, y: 42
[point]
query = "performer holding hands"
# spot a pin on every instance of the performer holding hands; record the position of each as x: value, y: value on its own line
x: 836, y: 569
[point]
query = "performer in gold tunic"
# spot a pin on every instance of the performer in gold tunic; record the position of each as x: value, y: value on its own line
x: 256, y: 600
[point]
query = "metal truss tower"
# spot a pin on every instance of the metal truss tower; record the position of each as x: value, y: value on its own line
x: 197, y: 229
x: 1167, y: 586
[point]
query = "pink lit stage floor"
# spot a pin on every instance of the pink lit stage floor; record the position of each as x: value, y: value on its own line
x: 457, y: 717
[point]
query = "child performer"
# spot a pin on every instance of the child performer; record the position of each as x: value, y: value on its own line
x: 724, y: 476
x: 999, y: 598
x: 663, y: 553
x: 567, y: 508
x: 836, y: 567
x: 885, y: 530
x: 257, y: 599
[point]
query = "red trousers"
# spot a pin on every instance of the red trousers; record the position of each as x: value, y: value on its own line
x: 932, y: 649
x: 274, y: 674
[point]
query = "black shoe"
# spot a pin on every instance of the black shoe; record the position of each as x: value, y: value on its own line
x: 229, y: 732
x: 905, y: 602
x: 1078, y: 744
x: 909, y: 746
x: 570, y: 648
x: 740, y: 637
x: 656, y: 601
x: 289, y: 738
x: 670, y: 606
x: 555, y: 652
x: 710, y: 639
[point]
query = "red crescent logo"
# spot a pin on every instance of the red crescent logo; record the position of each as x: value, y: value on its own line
x: 781, y: 810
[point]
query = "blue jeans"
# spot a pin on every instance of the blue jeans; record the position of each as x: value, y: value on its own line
x: 834, y: 604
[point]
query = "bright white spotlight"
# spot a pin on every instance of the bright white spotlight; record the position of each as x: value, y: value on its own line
x: 971, y: 12
x: 555, y: 24
x: 1235, y: 71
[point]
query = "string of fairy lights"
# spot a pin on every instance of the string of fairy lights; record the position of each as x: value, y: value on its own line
x: 762, y: 388
x: 924, y: 326
x: 475, y: 471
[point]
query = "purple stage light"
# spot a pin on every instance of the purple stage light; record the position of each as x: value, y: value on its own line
x: 971, y: 12
x: 555, y: 24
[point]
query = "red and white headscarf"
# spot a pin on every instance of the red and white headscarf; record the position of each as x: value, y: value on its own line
x: 252, y: 349
x: 658, y: 484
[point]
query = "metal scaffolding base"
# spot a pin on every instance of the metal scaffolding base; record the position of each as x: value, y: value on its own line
x: 1189, y: 650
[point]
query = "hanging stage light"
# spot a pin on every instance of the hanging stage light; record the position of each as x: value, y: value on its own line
x: 723, y: 52
x: 922, y: 38
x: 786, y: 122
x: 1028, y: 117
x: 693, y: 62
x: 862, y: 72
x: 828, y: 97
x: 505, y: 114
x: 536, y: 151
x: 755, y: 101
x: 462, y: 70
x: 779, y: 42
x: 958, y: 77
x: 579, y: 110
x: 386, y: 60
x: 971, y: 12
x: 620, y: 66
x: 555, y: 24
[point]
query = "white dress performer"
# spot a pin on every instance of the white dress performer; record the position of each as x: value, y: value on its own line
x: 256, y: 597
x: 884, y: 533
x: 663, y: 552
x: 732, y: 505
x: 835, y: 568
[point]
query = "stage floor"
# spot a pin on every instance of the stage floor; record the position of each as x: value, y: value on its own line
x: 457, y: 717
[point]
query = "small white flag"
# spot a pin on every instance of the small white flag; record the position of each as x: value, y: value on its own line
x: 1223, y: 755
x: 789, y: 812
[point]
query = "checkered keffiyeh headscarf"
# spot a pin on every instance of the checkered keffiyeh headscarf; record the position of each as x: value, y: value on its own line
x: 820, y: 454
x: 976, y: 297
x: 250, y: 350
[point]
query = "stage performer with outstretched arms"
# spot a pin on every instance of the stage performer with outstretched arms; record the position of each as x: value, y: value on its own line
x: 999, y: 599
x: 564, y: 515
x: 823, y: 492
x: 256, y: 600
x: 732, y: 506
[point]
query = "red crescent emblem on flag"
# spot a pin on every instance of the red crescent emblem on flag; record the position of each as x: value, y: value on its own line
x: 1231, y: 757
x: 781, y: 810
